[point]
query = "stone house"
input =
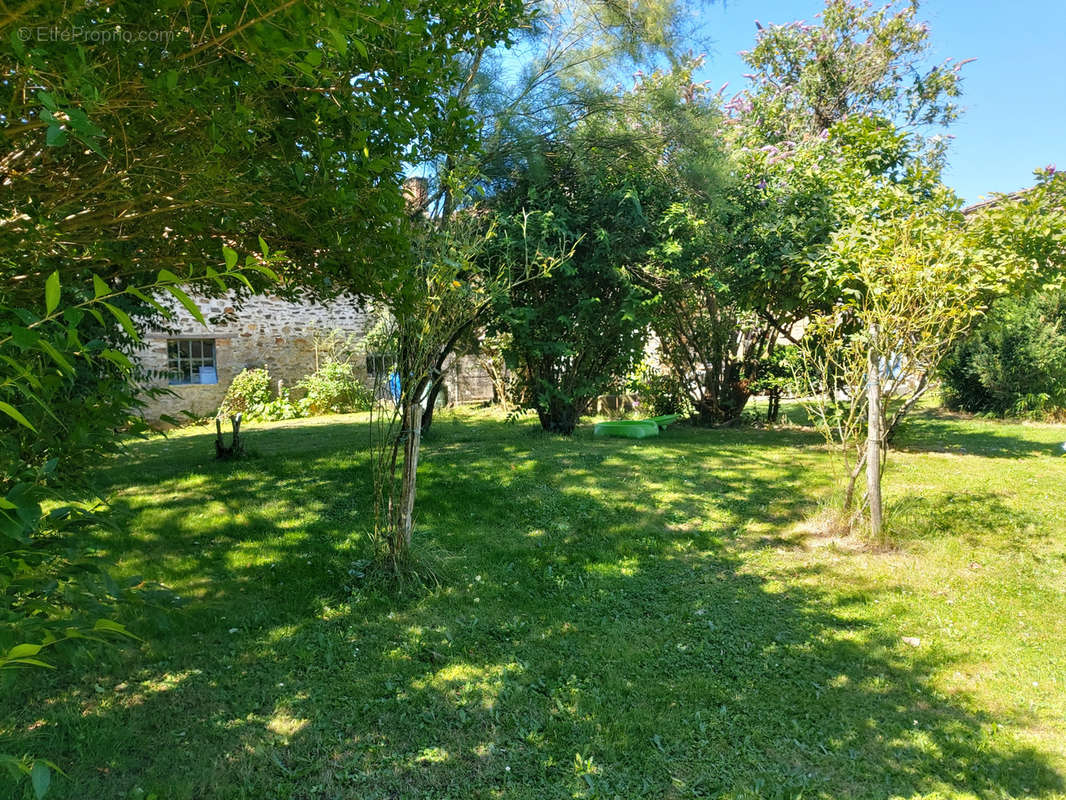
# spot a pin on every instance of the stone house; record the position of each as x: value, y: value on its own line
x: 197, y: 363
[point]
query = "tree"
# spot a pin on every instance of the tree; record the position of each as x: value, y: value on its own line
x: 625, y: 178
x: 913, y: 278
x: 170, y: 130
x: 897, y: 283
x: 568, y: 64
x: 450, y: 284
x: 692, y: 266
x: 778, y: 377
x: 858, y: 61
x: 576, y: 335
x: 731, y: 275
x: 726, y: 289
x: 1014, y: 362
x: 913, y: 289
x: 211, y: 121
x: 565, y: 66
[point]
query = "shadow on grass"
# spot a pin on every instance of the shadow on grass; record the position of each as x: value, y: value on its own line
x: 937, y: 430
x: 934, y: 430
x: 977, y: 518
x: 600, y: 637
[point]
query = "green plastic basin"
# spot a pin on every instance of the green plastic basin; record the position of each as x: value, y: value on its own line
x: 664, y: 420
x: 627, y: 428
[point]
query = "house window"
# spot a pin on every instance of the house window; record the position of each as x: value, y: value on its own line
x: 191, y: 361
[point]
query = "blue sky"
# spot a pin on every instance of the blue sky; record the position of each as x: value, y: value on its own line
x: 1014, y: 94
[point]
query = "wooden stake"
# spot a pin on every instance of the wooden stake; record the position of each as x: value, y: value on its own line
x: 873, y: 438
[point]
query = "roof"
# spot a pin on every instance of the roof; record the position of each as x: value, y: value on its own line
x: 995, y: 200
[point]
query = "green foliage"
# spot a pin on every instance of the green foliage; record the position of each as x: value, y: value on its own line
x: 66, y: 385
x: 781, y: 373
x: 576, y: 334
x: 250, y: 388
x: 660, y: 393
x: 562, y: 85
x: 334, y: 389
x: 737, y: 264
x: 565, y: 70
x: 39, y: 771
x: 211, y: 121
x: 1025, y: 233
x: 702, y: 265
x: 455, y: 277
x: 277, y: 409
x: 1015, y: 362
x: 911, y: 276
x: 858, y: 60
x: 908, y: 286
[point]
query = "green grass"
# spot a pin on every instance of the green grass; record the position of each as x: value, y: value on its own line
x: 617, y: 618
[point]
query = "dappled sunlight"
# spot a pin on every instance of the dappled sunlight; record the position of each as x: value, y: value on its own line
x: 257, y: 554
x: 624, y: 568
x: 613, y: 620
x: 430, y: 755
x: 168, y: 682
x: 469, y: 685
x: 282, y: 633
x: 285, y: 725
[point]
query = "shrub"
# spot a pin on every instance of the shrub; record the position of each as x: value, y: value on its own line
x: 250, y: 388
x: 660, y: 393
x: 277, y: 409
x: 334, y: 389
x: 1014, y: 363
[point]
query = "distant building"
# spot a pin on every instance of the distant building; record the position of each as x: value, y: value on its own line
x: 197, y: 363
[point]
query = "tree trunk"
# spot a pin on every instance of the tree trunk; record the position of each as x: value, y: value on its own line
x: 404, y: 522
x: 560, y: 417
x: 735, y: 396
x: 724, y: 407
x: 236, y: 448
x: 849, y: 492
x: 873, y: 438
x: 707, y: 411
x: 773, y: 405
x: 437, y: 373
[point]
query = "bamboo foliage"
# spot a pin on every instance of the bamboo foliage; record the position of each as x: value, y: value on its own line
x: 452, y: 282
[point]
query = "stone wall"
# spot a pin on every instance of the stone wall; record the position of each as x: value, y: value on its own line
x: 466, y: 382
x: 279, y: 335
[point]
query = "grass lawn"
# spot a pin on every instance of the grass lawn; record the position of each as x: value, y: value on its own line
x: 617, y: 618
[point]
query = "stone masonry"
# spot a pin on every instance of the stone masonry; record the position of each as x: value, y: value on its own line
x: 279, y: 335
